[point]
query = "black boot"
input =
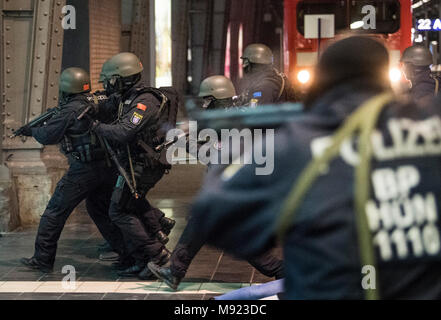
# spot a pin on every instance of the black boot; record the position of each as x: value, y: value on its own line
x: 162, y: 237
x: 123, y: 264
x: 109, y: 256
x: 35, y: 265
x: 165, y: 274
x: 161, y: 259
x: 167, y: 225
x: 132, y: 271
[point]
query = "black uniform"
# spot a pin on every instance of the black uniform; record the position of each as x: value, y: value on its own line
x: 266, y: 85
x: 321, y: 249
x: 423, y: 85
x: 138, y: 120
x: 88, y: 177
x: 190, y: 242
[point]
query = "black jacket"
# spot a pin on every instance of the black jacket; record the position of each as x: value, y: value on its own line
x: 139, y: 113
x: 265, y: 87
x: 423, y: 86
x: 65, y: 122
x: 321, y: 249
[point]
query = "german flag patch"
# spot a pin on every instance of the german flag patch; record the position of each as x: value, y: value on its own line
x: 141, y: 107
x: 137, y: 118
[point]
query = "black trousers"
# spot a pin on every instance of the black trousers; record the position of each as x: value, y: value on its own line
x: 91, y: 182
x: 189, y: 245
x: 129, y: 214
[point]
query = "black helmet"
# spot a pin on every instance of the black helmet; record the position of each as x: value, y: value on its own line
x: 417, y: 55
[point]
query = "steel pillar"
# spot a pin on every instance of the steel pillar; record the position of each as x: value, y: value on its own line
x: 32, y: 43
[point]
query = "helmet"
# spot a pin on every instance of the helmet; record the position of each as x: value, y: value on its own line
x: 104, y: 71
x: 258, y: 53
x: 124, y: 64
x: 417, y: 55
x: 74, y: 80
x: 219, y: 87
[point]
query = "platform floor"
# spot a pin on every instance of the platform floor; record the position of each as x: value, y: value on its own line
x: 212, y: 272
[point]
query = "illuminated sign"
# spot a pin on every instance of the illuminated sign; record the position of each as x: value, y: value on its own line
x: 429, y: 25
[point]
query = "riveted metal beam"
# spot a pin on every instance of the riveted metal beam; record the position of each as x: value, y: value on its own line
x: 32, y: 51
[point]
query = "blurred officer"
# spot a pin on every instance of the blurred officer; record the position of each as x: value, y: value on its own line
x: 218, y: 93
x: 262, y: 83
x: 416, y: 67
x: 362, y: 220
x: 89, y: 175
x: 137, y: 122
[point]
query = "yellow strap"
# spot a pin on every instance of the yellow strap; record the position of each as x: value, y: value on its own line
x: 436, y: 86
x: 364, y: 120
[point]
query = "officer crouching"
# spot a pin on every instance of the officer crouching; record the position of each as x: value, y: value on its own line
x: 89, y: 177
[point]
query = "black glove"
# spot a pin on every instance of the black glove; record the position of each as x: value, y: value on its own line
x: 26, y: 131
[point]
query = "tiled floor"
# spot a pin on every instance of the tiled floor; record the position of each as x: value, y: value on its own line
x: 211, y: 273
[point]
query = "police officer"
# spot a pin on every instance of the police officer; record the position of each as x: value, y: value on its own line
x: 416, y: 61
x: 262, y: 83
x: 137, y: 111
x: 344, y: 220
x: 89, y: 175
x: 218, y: 92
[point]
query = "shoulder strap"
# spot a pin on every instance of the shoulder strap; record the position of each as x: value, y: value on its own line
x: 281, y: 75
x: 364, y: 120
x: 436, y: 86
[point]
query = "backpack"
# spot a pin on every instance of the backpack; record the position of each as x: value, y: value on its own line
x: 167, y: 115
x: 166, y: 119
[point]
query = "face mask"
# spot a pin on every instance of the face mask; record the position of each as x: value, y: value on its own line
x: 208, y: 102
x: 110, y: 85
x: 246, y: 66
x: 63, y: 98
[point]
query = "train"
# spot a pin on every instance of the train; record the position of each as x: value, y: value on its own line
x: 308, y: 28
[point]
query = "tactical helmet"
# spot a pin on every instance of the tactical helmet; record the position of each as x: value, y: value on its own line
x: 417, y: 55
x: 124, y: 64
x: 74, y: 80
x: 219, y: 87
x: 104, y: 71
x: 258, y: 53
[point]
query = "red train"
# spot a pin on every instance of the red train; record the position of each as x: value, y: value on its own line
x: 393, y: 24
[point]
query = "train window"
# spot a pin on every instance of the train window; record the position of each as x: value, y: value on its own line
x: 350, y: 14
x: 387, y: 13
x: 337, y: 8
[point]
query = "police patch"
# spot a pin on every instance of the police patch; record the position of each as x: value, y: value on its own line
x: 136, y: 118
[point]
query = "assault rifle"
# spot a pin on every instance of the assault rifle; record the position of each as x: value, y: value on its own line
x: 120, y: 168
x: 38, y: 122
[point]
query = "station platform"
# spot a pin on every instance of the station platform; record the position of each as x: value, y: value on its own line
x: 212, y: 272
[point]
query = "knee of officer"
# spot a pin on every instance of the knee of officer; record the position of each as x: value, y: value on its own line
x: 115, y: 212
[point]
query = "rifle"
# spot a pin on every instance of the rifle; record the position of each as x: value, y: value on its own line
x: 253, y: 118
x: 36, y: 122
x: 168, y: 144
x: 97, y: 97
x: 120, y: 168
